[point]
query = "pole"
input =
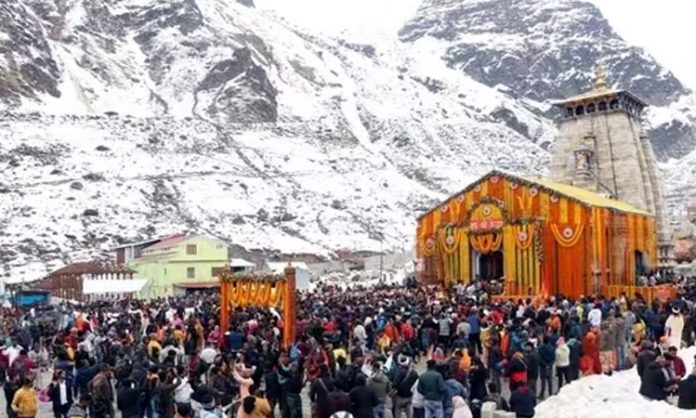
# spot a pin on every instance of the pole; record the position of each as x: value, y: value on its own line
x: 381, y: 260
x: 289, y: 306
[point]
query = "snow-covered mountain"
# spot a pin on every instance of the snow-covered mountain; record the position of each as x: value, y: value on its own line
x: 127, y: 119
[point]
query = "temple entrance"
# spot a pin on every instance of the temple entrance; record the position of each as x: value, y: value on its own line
x: 640, y: 266
x: 490, y: 266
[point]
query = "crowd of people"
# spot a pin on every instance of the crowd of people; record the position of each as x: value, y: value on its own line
x: 387, y: 351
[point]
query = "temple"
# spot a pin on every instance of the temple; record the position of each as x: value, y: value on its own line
x: 539, y: 236
x: 595, y: 226
x: 603, y: 148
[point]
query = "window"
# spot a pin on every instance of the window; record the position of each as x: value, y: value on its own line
x: 191, y: 273
x: 580, y: 110
x: 191, y: 249
x: 602, y: 106
x: 591, y: 108
x: 216, y: 271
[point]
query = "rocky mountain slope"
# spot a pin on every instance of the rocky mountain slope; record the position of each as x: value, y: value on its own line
x: 127, y: 119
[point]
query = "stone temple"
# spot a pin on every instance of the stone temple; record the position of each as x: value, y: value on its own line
x: 603, y: 147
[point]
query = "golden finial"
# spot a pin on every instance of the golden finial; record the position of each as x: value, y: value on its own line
x: 600, y: 83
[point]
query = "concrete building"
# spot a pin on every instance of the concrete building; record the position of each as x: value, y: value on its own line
x: 181, y: 258
x: 603, y: 148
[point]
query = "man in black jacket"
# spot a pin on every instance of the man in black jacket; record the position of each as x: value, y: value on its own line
x: 522, y: 402
x: 404, y: 380
x: 645, y: 357
x: 655, y: 383
x: 128, y: 399
x: 532, y: 360
x: 687, y: 392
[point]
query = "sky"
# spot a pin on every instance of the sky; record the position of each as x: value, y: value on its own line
x: 664, y: 28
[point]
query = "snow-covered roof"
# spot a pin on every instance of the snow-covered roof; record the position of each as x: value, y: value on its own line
x: 279, y: 267
x: 96, y: 286
x: 240, y: 262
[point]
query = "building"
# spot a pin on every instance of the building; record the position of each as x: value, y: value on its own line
x: 541, y: 237
x: 69, y: 282
x: 179, y: 258
x: 127, y: 252
x: 303, y: 275
x: 602, y: 147
x: 241, y: 266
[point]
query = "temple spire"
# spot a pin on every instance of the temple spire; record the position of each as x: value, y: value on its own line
x: 600, y: 83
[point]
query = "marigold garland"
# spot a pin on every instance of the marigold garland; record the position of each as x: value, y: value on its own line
x: 524, y: 236
x: 445, y: 234
x: 486, y: 243
x: 569, y: 236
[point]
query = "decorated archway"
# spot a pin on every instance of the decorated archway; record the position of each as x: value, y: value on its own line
x: 263, y: 291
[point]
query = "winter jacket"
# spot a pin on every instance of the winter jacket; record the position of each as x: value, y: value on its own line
x: 621, y: 331
x: 25, y: 403
x: 607, y: 339
x: 644, y: 358
x: 518, y: 370
x: 363, y: 401
x: 475, y: 323
x: 129, y: 402
x: 54, y: 395
x: 653, y: 382
x: 461, y: 409
x: 687, y: 393
x: 403, y: 382
x: 532, y: 360
x: 562, y: 356
x: 431, y: 385
x: 679, y: 367
x: 547, y: 355
x: 381, y: 385
x: 522, y: 402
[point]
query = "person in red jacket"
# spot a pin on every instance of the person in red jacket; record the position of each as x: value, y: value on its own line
x: 677, y: 363
x: 517, y: 371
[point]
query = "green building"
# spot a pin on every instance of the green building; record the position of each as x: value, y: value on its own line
x: 178, y: 259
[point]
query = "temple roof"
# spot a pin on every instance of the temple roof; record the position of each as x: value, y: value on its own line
x: 586, y: 197
x: 599, y: 89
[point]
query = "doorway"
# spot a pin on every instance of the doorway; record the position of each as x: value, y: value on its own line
x: 490, y: 266
x: 640, y: 265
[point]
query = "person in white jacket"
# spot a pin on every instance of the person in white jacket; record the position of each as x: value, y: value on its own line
x: 594, y: 317
x: 461, y: 409
x: 674, y: 328
x: 562, y: 362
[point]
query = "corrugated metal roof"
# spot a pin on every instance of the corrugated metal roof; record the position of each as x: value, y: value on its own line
x: 96, y: 286
x: 93, y: 267
x: 240, y: 262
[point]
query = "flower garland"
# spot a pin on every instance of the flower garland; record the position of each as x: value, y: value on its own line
x: 524, y: 236
x: 428, y: 246
x: 486, y: 243
x: 568, y: 236
x: 449, y: 239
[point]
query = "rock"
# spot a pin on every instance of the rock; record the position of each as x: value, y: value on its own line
x: 247, y: 3
x: 338, y: 205
x: 262, y: 215
x: 238, y: 220
x: 90, y: 213
x: 76, y: 185
x: 93, y: 177
x: 103, y: 148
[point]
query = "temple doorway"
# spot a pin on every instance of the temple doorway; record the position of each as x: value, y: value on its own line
x: 641, y: 269
x: 490, y: 266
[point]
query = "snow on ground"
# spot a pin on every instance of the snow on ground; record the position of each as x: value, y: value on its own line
x: 610, y: 397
